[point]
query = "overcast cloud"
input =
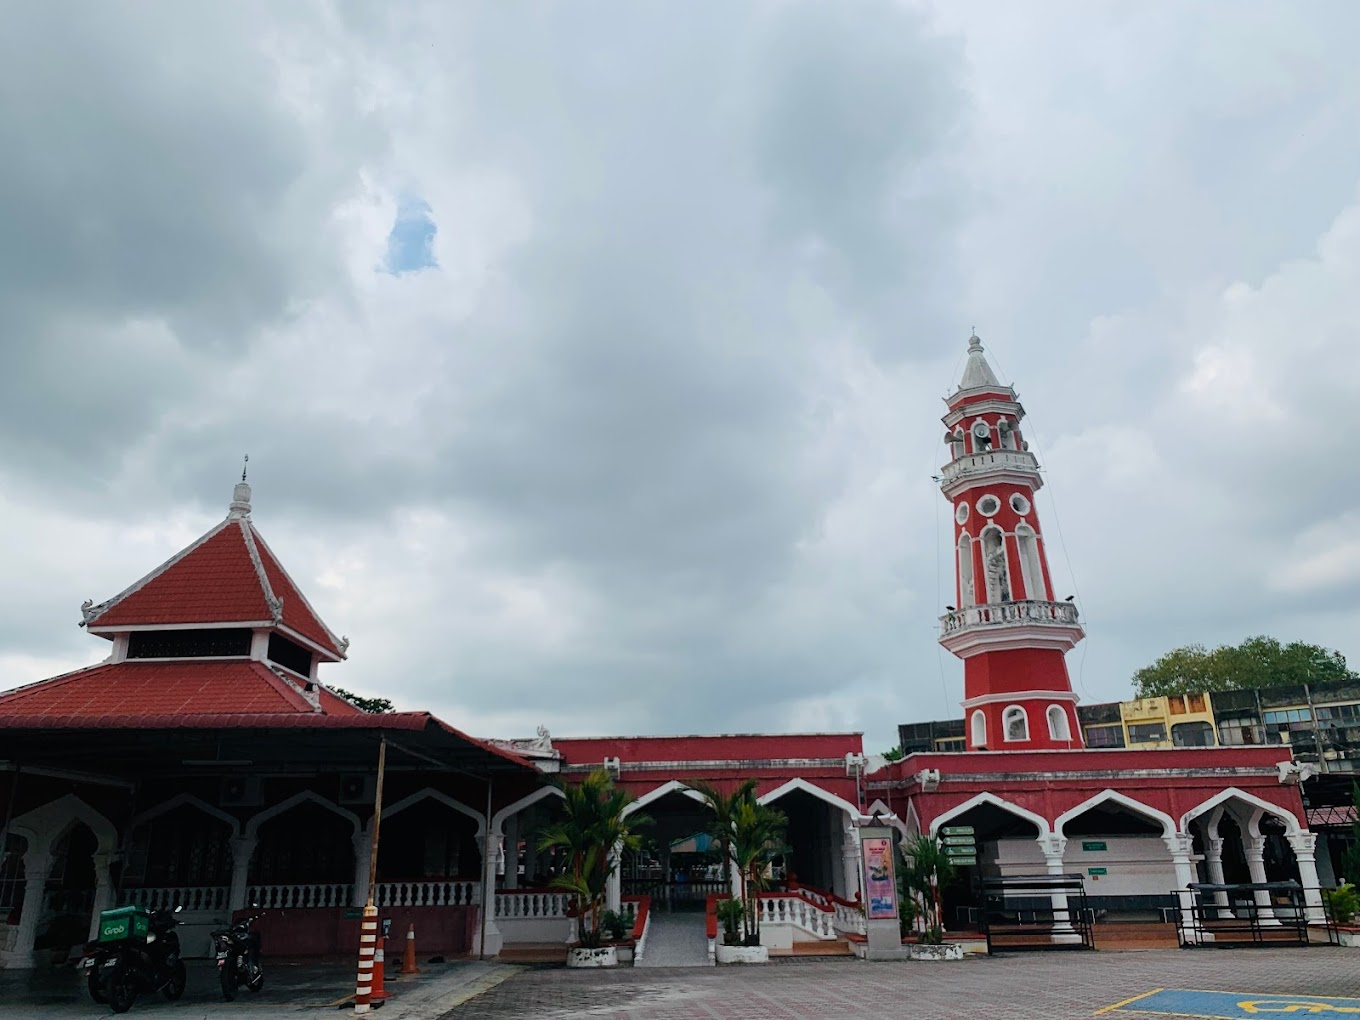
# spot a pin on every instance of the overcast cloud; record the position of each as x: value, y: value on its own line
x: 589, y: 357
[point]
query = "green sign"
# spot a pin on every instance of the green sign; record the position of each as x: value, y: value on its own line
x: 960, y: 841
x: 1096, y: 871
x: 957, y: 830
x: 963, y: 862
x: 1094, y: 844
x: 960, y: 851
x: 354, y: 914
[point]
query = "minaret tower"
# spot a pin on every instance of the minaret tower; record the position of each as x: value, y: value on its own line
x: 1005, y: 625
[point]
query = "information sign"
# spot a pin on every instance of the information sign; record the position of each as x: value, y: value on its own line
x: 1096, y: 871
x: 1094, y: 844
x: 880, y: 883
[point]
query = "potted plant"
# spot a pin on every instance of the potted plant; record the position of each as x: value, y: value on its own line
x: 927, y: 870
x: 1343, y: 903
x: 592, y: 834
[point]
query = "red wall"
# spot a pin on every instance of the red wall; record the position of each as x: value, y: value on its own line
x: 1018, y: 669
x: 726, y: 747
x: 324, y: 931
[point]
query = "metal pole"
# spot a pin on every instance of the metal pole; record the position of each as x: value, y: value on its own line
x: 488, y: 882
x: 377, y: 822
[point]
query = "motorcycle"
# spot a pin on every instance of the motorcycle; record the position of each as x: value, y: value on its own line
x: 238, y: 957
x: 136, y: 952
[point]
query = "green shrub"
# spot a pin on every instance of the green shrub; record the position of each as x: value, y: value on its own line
x: 617, y: 927
x: 1344, y: 902
x: 730, y: 914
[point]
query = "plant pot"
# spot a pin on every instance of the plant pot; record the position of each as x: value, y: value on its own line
x: 605, y: 956
x: 742, y: 954
x: 935, y: 954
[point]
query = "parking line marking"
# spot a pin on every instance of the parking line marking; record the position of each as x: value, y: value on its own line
x: 1119, y: 1005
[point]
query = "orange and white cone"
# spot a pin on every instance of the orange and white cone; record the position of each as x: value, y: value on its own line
x: 378, y: 993
x: 408, y: 962
x: 368, y: 943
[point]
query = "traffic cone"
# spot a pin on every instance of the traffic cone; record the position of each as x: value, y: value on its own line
x: 408, y: 963
x: 378, y: 993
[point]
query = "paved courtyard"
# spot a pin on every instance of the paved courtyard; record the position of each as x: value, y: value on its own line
x: 1053, y: 986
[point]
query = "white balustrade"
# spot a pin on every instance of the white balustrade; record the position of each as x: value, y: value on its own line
x: 301, y: 894
x: 993, y: 461
x: 847, y: 915
x: 532, y: 903
x: 799, y: 912
x: 426, y: 894
x: 1024, y: 611
x: 191, y: 898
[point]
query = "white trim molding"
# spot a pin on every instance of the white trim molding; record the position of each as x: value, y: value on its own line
x: 1016, y: 696
x: 1167, y: 823
x: 1232, y: 793
x: 1039, y: 821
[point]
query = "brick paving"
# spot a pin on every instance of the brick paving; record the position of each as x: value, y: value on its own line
x: 1052, y: 986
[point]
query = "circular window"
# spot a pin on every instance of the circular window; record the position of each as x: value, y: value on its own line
x: 1019, y: 504
x: 988, y: 506
x: 961, y: 513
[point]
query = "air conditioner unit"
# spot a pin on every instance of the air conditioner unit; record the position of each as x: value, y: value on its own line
x: 612, y: 766
x: 929, y: 780
x: 357, y: 789
x: 854, y: 763
x: 241, y: 791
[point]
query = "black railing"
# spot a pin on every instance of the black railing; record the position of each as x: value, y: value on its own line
x: 1249, y: 914
x: 1036, y: 912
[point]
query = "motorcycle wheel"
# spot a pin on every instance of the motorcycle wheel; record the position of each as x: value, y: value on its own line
x: 120, y: 990
x: 228, y: 976
x: 174, y: 988
x: 96, y: 986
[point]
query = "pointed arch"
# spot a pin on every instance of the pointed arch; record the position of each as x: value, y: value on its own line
x: 253, y: 825
x: 1232, y: 793
x: 1010, y: 715
x: 967, y: 585
x: 195, y: 802
x: 514, y: 808
x: 1059, y: 726
x: 1163, y: 819
x: 814, y: 790
x: 673, y: 786
x: 1039, y: 821
x: 995, y: 564
x: 54, y: 819
x: 430, y: 793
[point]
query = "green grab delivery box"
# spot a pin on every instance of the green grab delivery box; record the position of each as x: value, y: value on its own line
x: 124, y: 923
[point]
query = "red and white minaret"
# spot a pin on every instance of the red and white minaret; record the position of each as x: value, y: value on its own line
x: 1005, y: 625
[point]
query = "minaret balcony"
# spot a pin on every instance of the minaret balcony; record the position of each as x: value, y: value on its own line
x: 1004, y: 625
x: 1017, y: 466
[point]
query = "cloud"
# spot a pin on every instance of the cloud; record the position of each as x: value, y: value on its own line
x: 627, y: 421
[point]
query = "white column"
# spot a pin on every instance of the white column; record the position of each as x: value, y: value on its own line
x: 242, y: 850
x: 531, y: 858
x: 1054, y: 848
x: 490, y: 844
x: 614, y: 884
x: 1255, y: 849
x: 1181, y: 845
x: 1213, y: 859
x: 850, y: 866
x: 1305, y: 849
x: 363, y: 849
x: 37, y: 866
x: 511, y: 852
x: 103, y: 888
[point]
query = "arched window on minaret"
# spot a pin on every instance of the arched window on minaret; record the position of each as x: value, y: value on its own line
x: 966, y: 596
x: 1031, y: 567
x: 979, y: 726
x: 982, y: 436
x: 1015, y: 721
x: 994, y: 562
x: 956, y: 446
x: 1006, y: 430
x: 1058, y: 726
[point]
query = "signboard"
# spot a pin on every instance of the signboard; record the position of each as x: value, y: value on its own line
x: 1096, y: 871
x: 960, y: 851
x: 964, y: 862
x: 354, y: 914
x: 959, y: 841
x: 1090, y: 845
x: 880, y: 881
x: 957, y: 830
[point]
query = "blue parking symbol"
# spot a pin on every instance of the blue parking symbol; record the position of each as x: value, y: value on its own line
x: 1233, y: 1005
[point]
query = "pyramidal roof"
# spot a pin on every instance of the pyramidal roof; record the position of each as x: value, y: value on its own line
x: 228, y: 576
x: 978, y: 374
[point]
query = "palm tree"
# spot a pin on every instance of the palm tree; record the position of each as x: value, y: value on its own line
x: 757, y: 839
x: 928, y: 869
x: 593, y: 832
x: 723, y: 807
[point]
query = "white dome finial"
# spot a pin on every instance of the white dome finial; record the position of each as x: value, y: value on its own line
x: 974, y: 343
x: 240, y: 497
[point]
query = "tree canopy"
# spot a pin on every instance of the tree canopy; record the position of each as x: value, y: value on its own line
x: 375, y: 705
x: 1256, y: 662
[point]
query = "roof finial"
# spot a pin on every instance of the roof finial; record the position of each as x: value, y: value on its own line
x: 240, y: 497
x: 974, y: 343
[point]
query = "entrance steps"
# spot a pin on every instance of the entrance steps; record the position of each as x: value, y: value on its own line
x: 677, y: 940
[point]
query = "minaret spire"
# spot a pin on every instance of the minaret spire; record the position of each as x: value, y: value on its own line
x: 240, y: 497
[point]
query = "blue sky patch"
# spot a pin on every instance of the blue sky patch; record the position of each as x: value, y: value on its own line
x: 410, y: 245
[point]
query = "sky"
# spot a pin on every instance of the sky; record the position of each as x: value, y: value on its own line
x: 590, y: 356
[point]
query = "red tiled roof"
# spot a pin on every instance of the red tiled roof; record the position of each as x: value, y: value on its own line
x: 227, y: 576
x: 333, y: 704
x: 297, y: 614
x: 213, y: 581
x: 211, y: 688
